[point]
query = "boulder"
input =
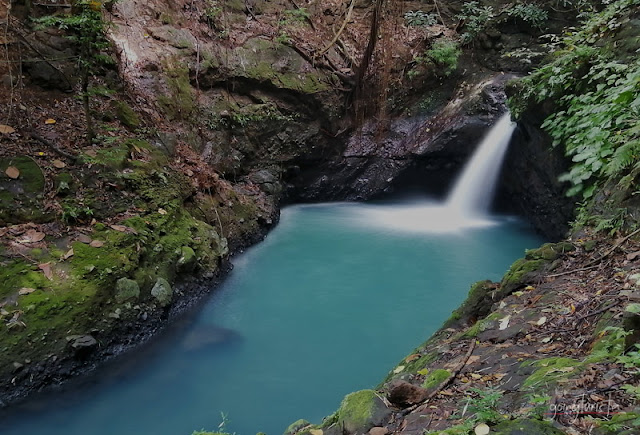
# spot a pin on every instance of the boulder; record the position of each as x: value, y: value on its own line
x: 82, y: 345
x: 361, y: 411
x: 162, y: 292
x: 126, y: 289
x: 187, y: 261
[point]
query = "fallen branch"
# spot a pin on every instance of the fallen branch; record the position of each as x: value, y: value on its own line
x: 595, y: 313
x: 569, y: 272
x: 51, y: 145
x: 616, y: 246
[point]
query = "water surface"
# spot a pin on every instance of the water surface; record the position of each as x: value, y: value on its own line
x: 333, y: 298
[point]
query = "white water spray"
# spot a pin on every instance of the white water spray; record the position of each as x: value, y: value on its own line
x: 473, y: 192
x: 467, y: 205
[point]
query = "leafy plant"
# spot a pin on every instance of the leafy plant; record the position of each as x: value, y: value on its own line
x: 529, y: 13
x: 476, y: 19
x: 420, y: 19
x: 481, y: 406
x: 444, y: 53
x: 598, y: 104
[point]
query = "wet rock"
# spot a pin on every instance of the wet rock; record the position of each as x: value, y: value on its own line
x: 162, y: 292
x: 404, y: 394
x: 126, y: 289
x: 82, y: 345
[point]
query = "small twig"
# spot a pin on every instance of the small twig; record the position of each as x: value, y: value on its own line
x: 569, y: 272
x: 444, y: 383
x: 616, y: 246
x: 601, y: 310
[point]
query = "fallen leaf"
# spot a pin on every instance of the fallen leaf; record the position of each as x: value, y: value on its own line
x: 83, y: 238
x: 504, y: 322
x: 398, y: 370
x: 542, y: 321
x: 546, y: 340
x: 529, y: 288
x: 423, y: 372
x: 5, y: 129
x: 59, y: 164
x: 632, y: 256
x: 50, y: 121
x: 25, y: 291
x: 316, y: 432
x: 12, y: 172
x: 189, y: 173
x: 46, y: 269
x: 96, y: 244
x: 32, y: 236
x: 476, y: 376
x: 91, y: 153
x: 481, y: 429
x: 123, y: 229
x: 413, y: 357
x: 69, y: 254
x: 162, y: 211
x: 472, y: 359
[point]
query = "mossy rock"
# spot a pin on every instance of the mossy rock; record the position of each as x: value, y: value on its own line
x: 477, y: 304
x: 520, y: 273
x: 21, y: 199
x: 127, y: 289
x: 162, y: 292
x: 549, y: 251
x: 296, y: 427
x: 525, y: 427
x: 360, y: 411
x: 187, y: 261
x: 126, y: 115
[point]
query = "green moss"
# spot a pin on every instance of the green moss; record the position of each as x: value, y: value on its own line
x: 549, y: 251
x: 609, y: 344
x: 620, y: 424
x: 296, y: 427
x: 19, y: 274
x: 477, y: 304
x: 126, y: 115
x: 356, y: 408
x: 481, y: 325
x: 435, y: 378
x: 550, y: 370
x: 518, y: 274
x: 180, y: 102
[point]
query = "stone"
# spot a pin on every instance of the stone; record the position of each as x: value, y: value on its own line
x: 362, y: 410
x: 404, y: 394
x: 188, y: 260
x: 83, y: 345
x: 126, y: 289
x: 378, y: 431
x: 162, y: 292
x: 296, y: 426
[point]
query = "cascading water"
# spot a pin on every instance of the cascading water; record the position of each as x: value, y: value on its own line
x: 473, y: 192
x: 468, y: 203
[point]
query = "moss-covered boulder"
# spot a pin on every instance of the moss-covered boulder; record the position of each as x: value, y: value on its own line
x: 296, y: 427
x: 360, y: 411
x: 162, y: 292
x: 126, y: 289
x: 477, y: 305
x: 187, y: 261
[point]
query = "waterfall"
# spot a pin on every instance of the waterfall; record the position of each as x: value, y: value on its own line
x: 474, y: 190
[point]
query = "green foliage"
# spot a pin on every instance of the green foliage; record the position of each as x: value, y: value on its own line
x: 293, y: 16
x: 420, y: 19
x: 529, y: 13
x: 444, y: 54
x: 480, y: 406
x: 87, y: 28
x: 598, y: 103
x: 72, y: 214
x: 476, y: 18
